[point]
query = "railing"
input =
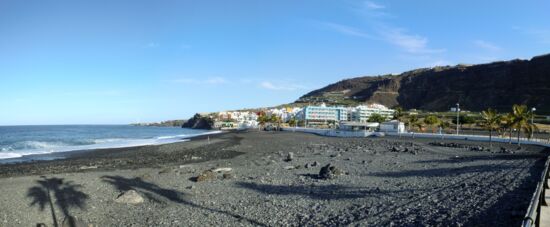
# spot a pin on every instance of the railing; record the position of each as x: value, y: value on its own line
x: 522, y: 140
x: 532, y: 218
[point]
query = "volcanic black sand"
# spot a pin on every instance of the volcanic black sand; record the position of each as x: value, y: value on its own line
x: 381, y: 182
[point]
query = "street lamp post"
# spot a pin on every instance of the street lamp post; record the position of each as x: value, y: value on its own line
x: 532, y: 116
x: 457, y: 116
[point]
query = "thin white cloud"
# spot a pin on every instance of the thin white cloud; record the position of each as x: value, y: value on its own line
x: 383, y: 31
x: 440, y: 62
x: 373, y: 5
x: 487, y: 45
x: 211, y: 80
x: 410, y: 43
x: 281, y: 87
x: 347, y: 30
x: 215, y: 80
x: 152, y: 45
x: 371, y: 10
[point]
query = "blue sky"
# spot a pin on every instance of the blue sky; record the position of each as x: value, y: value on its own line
x: 105, y: 62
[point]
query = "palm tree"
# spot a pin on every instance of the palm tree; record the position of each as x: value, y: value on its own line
x: 262, y: 119
x: 431, y: 120
x: 419, y: 125
x: 507, y: 123
x: 376, y: 118
x: 443, y: 125
x: 490, y: 120
x: 292, y: 122
x: 529, y: 127
x: 412, y: 121
x: 398, y: 114
x: 520, y: 119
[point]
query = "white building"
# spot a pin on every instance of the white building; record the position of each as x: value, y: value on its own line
x: 362, y: 113
x: 236, y: 119
x: 324, y: 114
x: 392, y: 126
x: 359, y: 126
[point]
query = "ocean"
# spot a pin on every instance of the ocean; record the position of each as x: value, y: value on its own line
x: 20, y: 141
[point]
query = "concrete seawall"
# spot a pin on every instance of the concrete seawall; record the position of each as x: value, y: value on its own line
x: 334, y: 133
x: 471, y: 137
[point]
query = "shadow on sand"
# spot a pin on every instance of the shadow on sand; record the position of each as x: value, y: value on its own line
x: 492, y: 157
x: 444, y: 172
x: 324, y: 192
x: 65, y: 194
x: 151, y: 191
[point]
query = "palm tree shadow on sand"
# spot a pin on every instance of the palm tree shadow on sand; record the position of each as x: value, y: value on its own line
x: 151, y: 191
x: 56, y: 191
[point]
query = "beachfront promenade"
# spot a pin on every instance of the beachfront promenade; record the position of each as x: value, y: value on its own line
x: 332, y: 132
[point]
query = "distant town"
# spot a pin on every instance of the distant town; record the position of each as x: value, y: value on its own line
x: 362, y: 117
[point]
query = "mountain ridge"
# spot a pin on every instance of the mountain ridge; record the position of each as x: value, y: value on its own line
x: 496, y: 85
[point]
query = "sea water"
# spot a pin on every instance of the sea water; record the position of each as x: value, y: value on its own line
x: 20, y: 141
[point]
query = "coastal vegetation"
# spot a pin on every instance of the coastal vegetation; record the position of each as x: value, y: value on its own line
x: 491, y: 121
x: 519, y: 121
x: 264, y: 119
x: 376, y: 118
x: 170, y: 123
x: 431, y: 121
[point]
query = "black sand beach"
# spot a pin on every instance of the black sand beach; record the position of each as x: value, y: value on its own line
x: 382, y: 182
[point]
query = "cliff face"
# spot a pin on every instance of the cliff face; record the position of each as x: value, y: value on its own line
x: 198, y: 122
x: 498, y: 85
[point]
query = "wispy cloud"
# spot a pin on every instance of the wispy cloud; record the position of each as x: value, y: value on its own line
x: 373, y: 5
x: 371, y: 10
x: 211, y: 80
x: 487, y: 45
x: 215, y: 80
x: 281, y: 87
x: 410, y: 43
x: 152, y: 45
x: 380, y: 29
x: 347, y: 30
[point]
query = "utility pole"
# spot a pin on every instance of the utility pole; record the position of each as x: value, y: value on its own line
x: 457, y: 116
x: 532, y: 116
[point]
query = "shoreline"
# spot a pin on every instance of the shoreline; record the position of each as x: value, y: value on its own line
x: 156, y: 155
x: 69, y: 152
x: 382, y: 181
x: 120, y: 158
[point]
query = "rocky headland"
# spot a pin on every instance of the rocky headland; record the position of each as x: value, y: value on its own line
x: 199, y: 121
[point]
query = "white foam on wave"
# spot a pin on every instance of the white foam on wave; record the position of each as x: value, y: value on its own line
x: 5, y: 155
x: 32, y: 144
x: 171, y: 137
x: 108, y: 140
x: 38, y: 147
